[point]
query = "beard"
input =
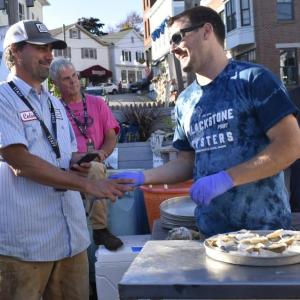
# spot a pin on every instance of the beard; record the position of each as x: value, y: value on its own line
x: 43, y: 74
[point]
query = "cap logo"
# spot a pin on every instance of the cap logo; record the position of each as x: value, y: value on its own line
x: 41, y: 27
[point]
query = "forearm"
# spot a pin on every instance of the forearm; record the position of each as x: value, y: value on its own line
x: 178, y: 170
x: 282, y: 151
x: 110, y: 141
x: 267, y: 163
x: 24, y: 164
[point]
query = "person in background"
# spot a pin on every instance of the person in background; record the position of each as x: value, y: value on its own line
x: 295, y: 167
x: 173, y: 90
x: 96, y: 130
x: 235, y: 133
x: 120, y: 87
x: 43, y: 230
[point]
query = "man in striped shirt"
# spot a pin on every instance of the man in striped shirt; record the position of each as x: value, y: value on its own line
x: 43, y: 231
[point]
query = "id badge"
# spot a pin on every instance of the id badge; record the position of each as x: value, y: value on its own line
x: 90, y: 146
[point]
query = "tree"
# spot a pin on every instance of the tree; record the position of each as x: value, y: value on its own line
x: 93, y: 25
x: 133, y: 20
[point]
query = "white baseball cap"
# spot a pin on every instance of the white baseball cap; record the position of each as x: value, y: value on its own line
x: 32, y: 32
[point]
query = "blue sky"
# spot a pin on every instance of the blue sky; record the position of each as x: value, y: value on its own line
x: 109, y: 12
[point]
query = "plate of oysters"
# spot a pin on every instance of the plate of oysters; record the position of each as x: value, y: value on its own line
x: 255, y: 247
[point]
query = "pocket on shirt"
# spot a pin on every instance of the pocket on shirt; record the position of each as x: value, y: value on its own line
x: 32, y: 133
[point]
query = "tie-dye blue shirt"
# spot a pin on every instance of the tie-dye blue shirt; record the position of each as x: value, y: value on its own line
x: 225, y: 123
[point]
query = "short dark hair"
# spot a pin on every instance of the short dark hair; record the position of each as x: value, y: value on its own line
x: 200, y: 14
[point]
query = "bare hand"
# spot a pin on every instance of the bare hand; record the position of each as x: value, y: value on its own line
x: 102, y: 155
x: 82, y: 169
x: 109, y: 188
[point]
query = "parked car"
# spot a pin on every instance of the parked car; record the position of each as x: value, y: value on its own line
x: 140, y: 85
x: 95, y: 90
x: 109, y: 88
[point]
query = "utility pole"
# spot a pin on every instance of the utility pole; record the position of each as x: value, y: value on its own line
x: 12, y: 11
x: 190, y: 76
x: 187, y: 5
x: 12, y: 8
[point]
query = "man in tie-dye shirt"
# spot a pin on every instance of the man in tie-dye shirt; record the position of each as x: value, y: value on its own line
x: 235, y: 132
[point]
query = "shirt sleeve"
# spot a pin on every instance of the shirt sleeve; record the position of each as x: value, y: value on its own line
x: 180, y: 141
x: 111, y: 122
x: 270, y: 98
x: 11, y: 127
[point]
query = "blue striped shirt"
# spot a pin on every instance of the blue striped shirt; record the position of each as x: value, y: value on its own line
x: 37, y: 223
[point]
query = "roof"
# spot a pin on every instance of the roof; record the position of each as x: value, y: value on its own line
x: 97, y: 71
x: 115, y: 37
x: 44, y: 2
x: 57, y: 31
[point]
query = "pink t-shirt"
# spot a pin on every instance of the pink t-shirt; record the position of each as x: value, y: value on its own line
x: 100, y: 120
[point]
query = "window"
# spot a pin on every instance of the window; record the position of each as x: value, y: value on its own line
x: 288, y: 66
x: 245, y: 12
x: 63, y: 52
x: 21, y: 11
x: 230, y: 15
x: 131, y: 76
x: 222, y: 16
x: 285, y: 10
x: 123, y: 75
x: 126, y: 55
x: 89, y: 53
x: 139, y: 57
x: 74, y: 33
x: 247, y: 56
x: 139, y: 75
x: 132, y: 40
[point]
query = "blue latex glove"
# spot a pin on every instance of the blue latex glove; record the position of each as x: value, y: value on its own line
x: 207, y: 188
x: 137, y: 176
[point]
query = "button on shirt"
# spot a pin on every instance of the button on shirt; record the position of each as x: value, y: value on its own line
x: 37, y: 223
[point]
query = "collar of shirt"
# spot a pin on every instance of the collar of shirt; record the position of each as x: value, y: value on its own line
x: 25, y: 88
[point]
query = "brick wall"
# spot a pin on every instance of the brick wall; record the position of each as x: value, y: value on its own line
x: 269, y: 32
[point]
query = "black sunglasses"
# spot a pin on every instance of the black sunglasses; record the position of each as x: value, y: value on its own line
x: 177, y: 37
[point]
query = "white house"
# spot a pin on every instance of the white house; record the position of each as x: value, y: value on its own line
x: 26, y: 13
x: 89, y: 53
x: 127, y: 55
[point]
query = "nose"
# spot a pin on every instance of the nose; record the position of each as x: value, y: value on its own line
x: 49, y: 52
x: 173, y: 47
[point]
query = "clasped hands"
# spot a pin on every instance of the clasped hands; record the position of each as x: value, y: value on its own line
x: 202, y: 191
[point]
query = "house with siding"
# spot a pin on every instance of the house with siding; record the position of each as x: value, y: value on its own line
x: 127, y: 55
x: 89, y: 53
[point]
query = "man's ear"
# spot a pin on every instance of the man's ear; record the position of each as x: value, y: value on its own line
x: 207, y: 30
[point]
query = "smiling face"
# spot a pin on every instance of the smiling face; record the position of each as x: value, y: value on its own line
x: 32, y: 62
x: 191, y: 49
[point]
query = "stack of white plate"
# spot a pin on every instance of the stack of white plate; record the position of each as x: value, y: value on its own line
x: 178, y: 212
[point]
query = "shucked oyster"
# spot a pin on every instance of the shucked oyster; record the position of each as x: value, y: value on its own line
x: 276, y: 247
x: 275, y: 235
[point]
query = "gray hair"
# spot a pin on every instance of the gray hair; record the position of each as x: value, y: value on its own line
x: 57, y: 65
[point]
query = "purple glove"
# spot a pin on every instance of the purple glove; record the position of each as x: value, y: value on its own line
x: 209, y: 187
x: 137, y: 176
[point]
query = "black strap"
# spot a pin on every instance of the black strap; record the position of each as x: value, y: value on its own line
x: 82, y: 127
x: 53, y: 142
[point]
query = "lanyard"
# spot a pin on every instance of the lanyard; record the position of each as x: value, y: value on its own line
x: 82, y: 127
x: 53, y: 142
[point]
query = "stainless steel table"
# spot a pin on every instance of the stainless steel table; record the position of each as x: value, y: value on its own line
x: 181, y: 270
